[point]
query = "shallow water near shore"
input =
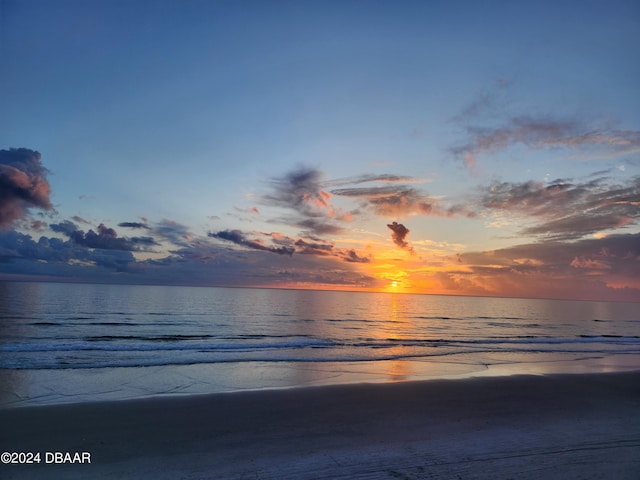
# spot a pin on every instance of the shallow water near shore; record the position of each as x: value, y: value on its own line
x: 64, y: 343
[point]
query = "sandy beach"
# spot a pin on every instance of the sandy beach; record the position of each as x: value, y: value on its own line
x: 525, y: 427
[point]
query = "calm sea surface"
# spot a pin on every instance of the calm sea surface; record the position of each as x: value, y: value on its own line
x: 79, y: 342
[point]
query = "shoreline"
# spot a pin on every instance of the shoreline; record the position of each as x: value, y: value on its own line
x: 25, y: 388
x: 551, y: 426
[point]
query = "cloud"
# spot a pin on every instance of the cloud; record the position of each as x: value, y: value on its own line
x: 23, y: 184
x: 589, y: 264
x: 309, y: 197
x: 383, y: 178
x: 105, y: 238
x: 589, y: 268
x: 237, y: 237
x: 319, y: 227
x: 486, y: 102
x: 174, y: 232
x: 391, y: 201
x: 302, y: 192
x: 398, y: 234
x: 284, y: 245
x: 395, y: 200
x: 208, y: 264
x: 200, y: 263
x: 620, y: 251
x: 79, y: 219
x: 37, y: 225
x: 325, y: 249
x: 353, y: 257
x: 579, y: 225
x: 54, y: 252
x: 66, y: 227
x: 565, y: 209
x: 134, y: 225
x: 313, y: 248
x: 546, y: 133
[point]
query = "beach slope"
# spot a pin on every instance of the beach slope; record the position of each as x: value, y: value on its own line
x: 525, y: 427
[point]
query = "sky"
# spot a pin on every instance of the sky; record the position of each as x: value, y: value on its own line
x: 455, y: 147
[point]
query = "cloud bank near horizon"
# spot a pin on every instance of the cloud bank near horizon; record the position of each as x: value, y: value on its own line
x: 581, y: 247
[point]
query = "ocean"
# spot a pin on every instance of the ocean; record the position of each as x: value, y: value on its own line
x: 62, y: 343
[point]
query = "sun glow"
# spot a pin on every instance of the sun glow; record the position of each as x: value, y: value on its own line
x: 394, y: 284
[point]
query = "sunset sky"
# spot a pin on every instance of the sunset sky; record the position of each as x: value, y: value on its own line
x: 475, y: 148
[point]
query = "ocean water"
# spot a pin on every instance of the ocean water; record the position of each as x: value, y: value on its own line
x: 80, y: 342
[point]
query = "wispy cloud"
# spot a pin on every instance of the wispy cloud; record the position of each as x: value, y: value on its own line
x: 309, y: 199
x: 133, y: 225
x: 284, y: 245
x: 396, y: 200
x: 79, y: 219
x: 368, y: 178
x: 486, y: 103
x: 391, y: 201
x: 23, y: 184
x: 239, y: 238
x: 302, y: 193
x: 173, y: 232
x: 490, y: 125
x: 545, y: 132
x: 564, y: 209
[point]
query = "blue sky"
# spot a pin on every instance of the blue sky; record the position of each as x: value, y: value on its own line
x: 289, y: 124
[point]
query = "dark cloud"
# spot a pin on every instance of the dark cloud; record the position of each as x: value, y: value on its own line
x: 115, y: 259
x: 134, y: 225
x: 253, y: 267
x: 326, y: 249
x: 313, y: 248
x: 20, y: 247
x: 66, y: 227
x: 300, y: 189
x: 398, y: 234
x: 23, y: 184
x: 105, y: 238
x: 284, y: 245
x: 565, y: 209
x: 238, y: 237
x: 353, y: 257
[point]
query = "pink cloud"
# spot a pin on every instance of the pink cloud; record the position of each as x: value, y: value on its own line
x: 589, y: 263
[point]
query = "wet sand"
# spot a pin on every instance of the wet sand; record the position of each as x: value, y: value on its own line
x: 525, y: 427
